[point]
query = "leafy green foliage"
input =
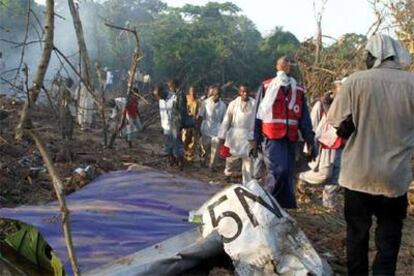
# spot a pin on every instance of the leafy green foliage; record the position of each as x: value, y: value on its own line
x: 402, y: 12
x: 209, y: 43
x: 347, y: 45
x: 200, y: 45
x: 277, y: 44
x: 29, y: 243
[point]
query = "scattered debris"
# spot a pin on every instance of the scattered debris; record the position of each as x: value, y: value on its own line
x: 259, y: 236
x: 324, y: 229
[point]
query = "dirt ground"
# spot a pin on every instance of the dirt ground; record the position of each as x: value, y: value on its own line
x: 24, y: 180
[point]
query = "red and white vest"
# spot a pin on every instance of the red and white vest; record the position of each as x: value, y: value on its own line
x: 284, y: 121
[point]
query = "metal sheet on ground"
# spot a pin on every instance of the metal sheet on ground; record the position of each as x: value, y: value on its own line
x: 119, y: 213
x: 170, y: 257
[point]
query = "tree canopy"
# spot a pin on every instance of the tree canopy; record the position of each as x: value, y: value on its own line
x: 199, y: 44
x: 214, y: 43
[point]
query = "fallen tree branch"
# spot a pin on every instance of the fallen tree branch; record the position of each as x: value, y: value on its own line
x: 58, y: 187
x: 25, y: 126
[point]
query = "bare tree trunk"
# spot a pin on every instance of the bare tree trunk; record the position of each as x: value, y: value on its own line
x: 83, y: 51
x: 25, y: 125
x: 87, y: 70
x: 318, y: 13
x: 134, y: 62
x: 41, y: 69
x: 58, y: 186
x: 318, y: 46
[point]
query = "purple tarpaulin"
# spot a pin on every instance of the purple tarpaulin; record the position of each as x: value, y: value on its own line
x: 117, y: 214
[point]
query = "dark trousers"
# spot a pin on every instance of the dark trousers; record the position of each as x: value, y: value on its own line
x: 390, y: 213
x: 279, y: 157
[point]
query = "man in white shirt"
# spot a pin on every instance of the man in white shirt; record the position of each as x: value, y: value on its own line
x: 211, y: 113
x: 166, y: 104
x: 235, y: 133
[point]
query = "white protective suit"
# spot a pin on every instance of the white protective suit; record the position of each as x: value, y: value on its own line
x: 236, y: 131
x: 321, y: 168
x: 212, y: 114
x: 325, y: 169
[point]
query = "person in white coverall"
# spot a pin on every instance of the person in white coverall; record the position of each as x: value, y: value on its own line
x: 211, y: 113
x: 235, y: 133
x: 325, y: 169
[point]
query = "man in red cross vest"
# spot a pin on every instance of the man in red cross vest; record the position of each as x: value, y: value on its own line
x: 281, y: 112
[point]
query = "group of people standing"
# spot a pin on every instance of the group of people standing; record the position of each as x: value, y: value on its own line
x: 359, y: 141
x: 359, y: 135
x: 206, y: 127
x: 184, y: 117
x: 248, y: 132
